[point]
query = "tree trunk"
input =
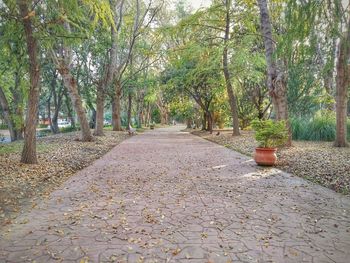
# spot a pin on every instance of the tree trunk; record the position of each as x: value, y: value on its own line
x: 230, y: 93
x: 204, y: 121
x: 17, y: 105
x: 71, y: 85
x: 106, y: 81
x: 189, y: 123
x: 69, y: 110
x: 163, y: 117
x: 209, y: 117
x: 57, y: 100
x: 116, y: 115
x: 129, y: 110
x: 7, y: 115
x: 48, y: 108
x: 54, y: 122
x: 100, y: 104
x: 139, y: 109
x: 93, y: 118
x: 148, y: 115
x: 276, y: 81
x: 342, y: 86
x: 29, y: 148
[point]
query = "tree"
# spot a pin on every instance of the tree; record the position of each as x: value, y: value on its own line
x: 64, y: 64
x: 29, y: 148
x: 143, y: 17
x: 109, y: 68
x: 231, y: 95
x: 342, y: 86
x: 276, y: 79
x: 7, y: 115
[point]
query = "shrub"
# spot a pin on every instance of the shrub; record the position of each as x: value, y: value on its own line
x: 68, y: 129
x: 270, y: 134
x: 321, y: 127
x: 3, y: 126
x: 43, y: 126
x: 43, y: 133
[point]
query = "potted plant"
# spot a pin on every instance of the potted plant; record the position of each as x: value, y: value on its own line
x: 270, y: 135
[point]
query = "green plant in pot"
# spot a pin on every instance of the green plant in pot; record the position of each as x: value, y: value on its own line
x: 270, y: 135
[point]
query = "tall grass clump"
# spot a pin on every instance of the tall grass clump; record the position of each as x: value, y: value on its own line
x: 320, y: 127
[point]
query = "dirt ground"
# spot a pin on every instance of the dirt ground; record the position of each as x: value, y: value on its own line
x: 318, y: 162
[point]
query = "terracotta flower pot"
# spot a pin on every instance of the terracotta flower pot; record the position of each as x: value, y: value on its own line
x: 265, y: 156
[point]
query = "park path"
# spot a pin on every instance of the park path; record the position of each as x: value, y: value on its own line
x: 168, y: 196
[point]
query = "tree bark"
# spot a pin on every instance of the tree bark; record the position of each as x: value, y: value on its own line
x: 204, y: 121
x: 48, y: 108
x: 129, y: 110
x: 140, y: 103
x: 276, y: 81
x: 189, y: 123
x: 148, y: 115
x: 71, y: 85
x: 209, y: 118
x: 229, y: 88
x: 69, y: 110
x: 17, y: 106
x: 106, y: 81
x: 57, y: 100
x: 342, y: 86
x: 29, y: 155
x: 64, y: 64
x: 7, y: 115
x: 100, y: 104
x: 116, y: 115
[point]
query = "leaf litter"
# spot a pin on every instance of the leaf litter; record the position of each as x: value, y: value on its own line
x: 60, y: 156
x: 318, y: 162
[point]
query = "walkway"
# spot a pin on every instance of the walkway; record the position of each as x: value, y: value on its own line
x: 168, y: 196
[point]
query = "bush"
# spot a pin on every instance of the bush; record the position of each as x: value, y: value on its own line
x: 43, y: 126
x: 3, y: 126
x: 270, y: 134
x: 43, y: 133
x: 68, y: 129
x: 321, y: 127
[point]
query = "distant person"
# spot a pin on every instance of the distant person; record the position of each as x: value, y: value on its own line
x: 174, y: 122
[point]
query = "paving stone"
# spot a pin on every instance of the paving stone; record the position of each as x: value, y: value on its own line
x: 159, y: 197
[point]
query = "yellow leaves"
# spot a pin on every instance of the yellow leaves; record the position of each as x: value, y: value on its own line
x: 30, y: 14
x: 176, y: 251
x: 24, y: 221
x: 204, y: 235
x: 60, y: 232
x: 84, y: 260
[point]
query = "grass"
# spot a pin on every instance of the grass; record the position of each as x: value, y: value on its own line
x: 16, y: 147
x: 321, y: 127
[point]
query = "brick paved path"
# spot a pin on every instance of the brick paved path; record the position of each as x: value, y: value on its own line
x: 167, y: 196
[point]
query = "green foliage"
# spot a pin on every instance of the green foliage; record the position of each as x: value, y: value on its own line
x: 270, y: 133
x: 320, y: 127
x: 43, y: 133
x: 16, y: 147
x: 155, y: 116
x: 3, y: 126
x: 68, y: 129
